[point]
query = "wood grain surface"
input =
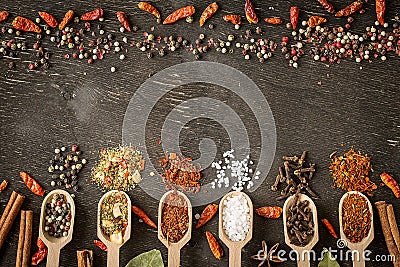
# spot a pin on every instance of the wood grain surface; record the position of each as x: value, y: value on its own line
x: 74, y: 102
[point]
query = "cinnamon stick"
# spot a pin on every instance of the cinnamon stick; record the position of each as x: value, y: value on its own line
x: 18, y: 261
x: 381, y: 206
x: 85, y: 258
x: 393, y: 225
x: 10, y: 217
x: 26, y: 259
x: 8, y: 208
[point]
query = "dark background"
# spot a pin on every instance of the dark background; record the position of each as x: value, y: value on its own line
x: 41, y: 110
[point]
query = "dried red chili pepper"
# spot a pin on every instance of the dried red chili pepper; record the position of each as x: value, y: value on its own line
x: 273, y: 20
x: 269, y: 212
x: 25, y: 25
x: 67, y: 18
x: 3, y: 15
x: 40, y: 244
x: 124, y: 20
x: 208, y: 12
x: 350, y: 9
x: 143, y: 216
x: 93, y: 15
x: 215, y: 247
x: 328, y: 6
x: 207, y: 214
x: 181, y: 13
x: 233, y: 18
x: 294, y: 16
x: 39, y: 256
x: 391, y: 183
x: 380, y: 7
x: 329, y: 227
x: 100, y: 244
x: 3, y: 185
x: 314, y: 21
x: 250, y: 12
x: 49, y: 19
x: 32, y: 184
x: 149, y: 9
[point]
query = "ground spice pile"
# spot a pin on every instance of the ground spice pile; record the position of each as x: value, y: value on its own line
x: 118, y: 168
x: 350, y: 172
x: 174, y: 217
x: 356, y: 217
x: 180, y: 171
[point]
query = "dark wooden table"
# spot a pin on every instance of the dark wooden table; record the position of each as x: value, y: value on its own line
x: 74, y: 102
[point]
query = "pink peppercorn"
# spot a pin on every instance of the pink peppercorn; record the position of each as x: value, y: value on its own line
x: 90, y: 61
x: 75, y: 55
x: 285, y: 39
x: 74, y: 148
x: 31, y: 66
x: 293, y: 52
x: 66, y: 56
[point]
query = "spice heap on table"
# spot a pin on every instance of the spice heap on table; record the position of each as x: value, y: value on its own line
x: 350, y: 172
x: 118, y: 168
x: 114, y: 216
x: 239, y: 170
x: 295, y: 176
x: 65, y: 167
x: 236, y: 217
x: 179, y: 171
x: 174, y: 217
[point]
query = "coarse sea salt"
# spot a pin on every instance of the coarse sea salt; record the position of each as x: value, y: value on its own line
x: 236, y: 217
x: 231, y: 168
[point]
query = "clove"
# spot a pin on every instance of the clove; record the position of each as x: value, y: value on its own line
x: 274, y: 187
x: 290, y: 158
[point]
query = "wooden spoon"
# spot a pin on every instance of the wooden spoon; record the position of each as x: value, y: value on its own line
x: 54, y: 245
x: 235, y: 247
x: 303, y: 257
x: 113, y: 248
x: 174, y: 249
x: 359, y: 247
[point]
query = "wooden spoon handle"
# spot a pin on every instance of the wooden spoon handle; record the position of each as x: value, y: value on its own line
x: 235, y: 256
x: 112, y: 256
x: 174, y: 256
x: 53, y: 257
x: 359, y: 263
x: 303, y: 262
